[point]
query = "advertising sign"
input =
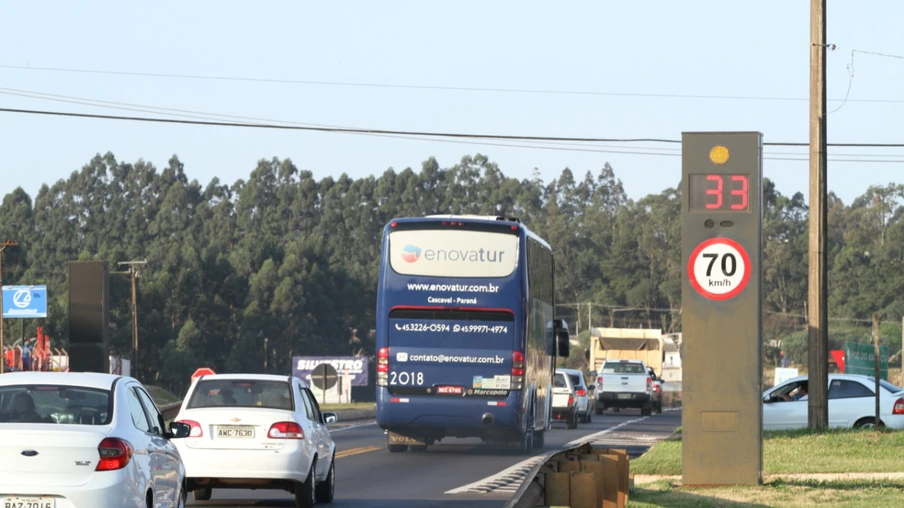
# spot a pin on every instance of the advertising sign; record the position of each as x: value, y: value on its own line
x: 861, y: 359
x: 24, y: 302
x: 355, y: 366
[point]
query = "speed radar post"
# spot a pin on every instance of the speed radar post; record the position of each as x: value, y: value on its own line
x: 721, y: 245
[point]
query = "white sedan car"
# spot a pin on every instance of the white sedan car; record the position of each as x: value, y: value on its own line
x: 852, y: 403
x: 257, y: 431
x: 84, y: 440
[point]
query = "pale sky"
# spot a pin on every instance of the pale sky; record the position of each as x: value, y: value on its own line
x: 568, y: 69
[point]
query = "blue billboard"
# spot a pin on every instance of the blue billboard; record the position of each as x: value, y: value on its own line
x: 24, y: 301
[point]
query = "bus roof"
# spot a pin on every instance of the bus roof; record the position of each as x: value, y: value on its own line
x: 475, y: 217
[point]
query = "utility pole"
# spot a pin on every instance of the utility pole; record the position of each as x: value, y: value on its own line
x: 876, y: 363
x: 3, y: 245
x: 817, y: 319
x: 133, y: 275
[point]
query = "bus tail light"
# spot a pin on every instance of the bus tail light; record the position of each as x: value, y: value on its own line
x: 517, y: 370
x: 383, y: 366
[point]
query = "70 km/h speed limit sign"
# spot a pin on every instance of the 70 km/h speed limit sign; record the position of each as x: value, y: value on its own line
x: 719, y: 268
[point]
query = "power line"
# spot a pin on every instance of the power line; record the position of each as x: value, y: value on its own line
x: 356, y: 130
x: 437, y: 87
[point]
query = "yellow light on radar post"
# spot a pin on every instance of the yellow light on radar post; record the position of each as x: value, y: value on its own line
x: 719, y: 155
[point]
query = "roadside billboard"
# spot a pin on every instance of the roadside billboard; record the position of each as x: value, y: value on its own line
x: 24, y: 302
x: 861, y: 359
x: 354, y: 366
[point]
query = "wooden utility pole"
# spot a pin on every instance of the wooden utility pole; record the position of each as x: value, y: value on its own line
x: 876, y: 362
x: 3, y: 245
x: 133, y: 275
x: 817, y: 319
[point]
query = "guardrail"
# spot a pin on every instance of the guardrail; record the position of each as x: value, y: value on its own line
x: 581, y: 476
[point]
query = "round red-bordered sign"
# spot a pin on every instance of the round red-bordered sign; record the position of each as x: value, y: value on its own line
x: 719, y: 268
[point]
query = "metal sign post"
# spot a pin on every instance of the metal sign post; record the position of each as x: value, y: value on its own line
x: 721, y: 245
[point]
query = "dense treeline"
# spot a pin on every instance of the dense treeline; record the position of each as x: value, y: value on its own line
x: 243, y: 276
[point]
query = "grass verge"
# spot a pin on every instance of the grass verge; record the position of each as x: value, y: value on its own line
x: 162, y: 397
x: 800, y: 451
x: 780, y: 494
x: 788, y: 452
x: 353, y: 405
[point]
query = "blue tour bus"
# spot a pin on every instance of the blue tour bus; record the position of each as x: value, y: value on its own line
x: 466, y: 333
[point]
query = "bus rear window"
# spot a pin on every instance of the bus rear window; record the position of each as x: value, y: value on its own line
x: 453, y: 253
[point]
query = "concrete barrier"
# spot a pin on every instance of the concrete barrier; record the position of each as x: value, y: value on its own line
x: 580, y: 477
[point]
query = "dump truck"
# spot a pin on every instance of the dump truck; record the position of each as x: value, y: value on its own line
x: 627, y: 344
x: 614, y: 344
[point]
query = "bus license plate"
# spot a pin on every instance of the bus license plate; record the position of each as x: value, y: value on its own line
x: 28, y: 502
x: 235, y: 432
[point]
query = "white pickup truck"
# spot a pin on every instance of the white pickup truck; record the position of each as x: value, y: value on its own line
x: 625, y: 384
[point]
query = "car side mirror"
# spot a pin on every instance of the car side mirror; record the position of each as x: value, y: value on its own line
x: 179, y: 430
x: 591, y: 387
x: 330, y: 418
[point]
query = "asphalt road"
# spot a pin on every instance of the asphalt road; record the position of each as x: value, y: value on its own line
x: 456, y: 473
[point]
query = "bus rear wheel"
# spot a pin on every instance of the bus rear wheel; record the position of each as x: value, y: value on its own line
x: 397, y: 448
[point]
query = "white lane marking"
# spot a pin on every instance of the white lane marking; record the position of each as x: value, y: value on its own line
x: 510, y: 479
x: 332, y: 431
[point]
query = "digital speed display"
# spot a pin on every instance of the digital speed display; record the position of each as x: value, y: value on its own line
x: 711, y: 192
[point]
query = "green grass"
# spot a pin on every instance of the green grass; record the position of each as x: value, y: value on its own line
x: 800, y: 451
x: 790, y: 494
x: 353, y: 405
x: 162, y: 397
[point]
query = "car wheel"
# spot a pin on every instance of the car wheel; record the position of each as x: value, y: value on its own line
x: 304, y: 491
x: 588, y: 416
x: 397, y: 448
x: 866, y: 423
x: 599, y: 409
x: 646, y: 410
x: 183, y: 496
x: 325, y: 490
x: 418, y: 447
x: 202, y: 494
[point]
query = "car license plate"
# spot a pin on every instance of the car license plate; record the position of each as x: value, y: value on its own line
x: 28, y: 502
x: 235, y: 432
x: 625, y: 395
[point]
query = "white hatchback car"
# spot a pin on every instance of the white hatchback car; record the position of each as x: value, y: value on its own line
x: 257, y: 431
x: 852, y: 403
x: 581, y: 392
x: 84, y: 440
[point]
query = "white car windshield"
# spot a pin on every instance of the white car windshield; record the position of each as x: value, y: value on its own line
x: 242, y: 393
